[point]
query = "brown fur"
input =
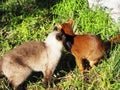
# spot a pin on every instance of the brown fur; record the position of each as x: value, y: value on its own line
x: 65, y: 26
x: 84, y: 46
x: 17, y: 64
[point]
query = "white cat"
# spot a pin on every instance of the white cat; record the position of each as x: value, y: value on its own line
x: 18, y: 63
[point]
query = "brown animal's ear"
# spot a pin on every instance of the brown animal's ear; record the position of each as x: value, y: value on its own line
x: 70, y: 21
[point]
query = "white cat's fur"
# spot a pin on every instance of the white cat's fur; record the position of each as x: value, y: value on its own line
x: 18, y: 63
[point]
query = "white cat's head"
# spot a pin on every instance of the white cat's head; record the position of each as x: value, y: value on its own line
x: 55, y: 39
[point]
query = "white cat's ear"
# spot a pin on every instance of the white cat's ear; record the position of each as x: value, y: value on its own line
x: 70, y: 21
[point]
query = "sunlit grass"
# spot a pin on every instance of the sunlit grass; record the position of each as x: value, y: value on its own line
x: 34, y: 22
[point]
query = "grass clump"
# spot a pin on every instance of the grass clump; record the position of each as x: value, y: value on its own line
x: 23, y: 20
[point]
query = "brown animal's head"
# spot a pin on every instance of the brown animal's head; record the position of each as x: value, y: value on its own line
x: 66, y: 31
x: 66, y: 27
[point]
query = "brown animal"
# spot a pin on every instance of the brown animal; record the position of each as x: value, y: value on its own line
x: 18, y: 63
x: 84, y: 47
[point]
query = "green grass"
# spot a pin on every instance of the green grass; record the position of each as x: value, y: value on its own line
x: 25, y: 20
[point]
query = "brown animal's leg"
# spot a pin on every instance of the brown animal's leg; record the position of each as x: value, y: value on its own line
x: 47, y: 76
x: 80, y: 66
x: 92, y: 63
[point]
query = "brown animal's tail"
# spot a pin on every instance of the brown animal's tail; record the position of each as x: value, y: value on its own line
x: 112, y: 41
